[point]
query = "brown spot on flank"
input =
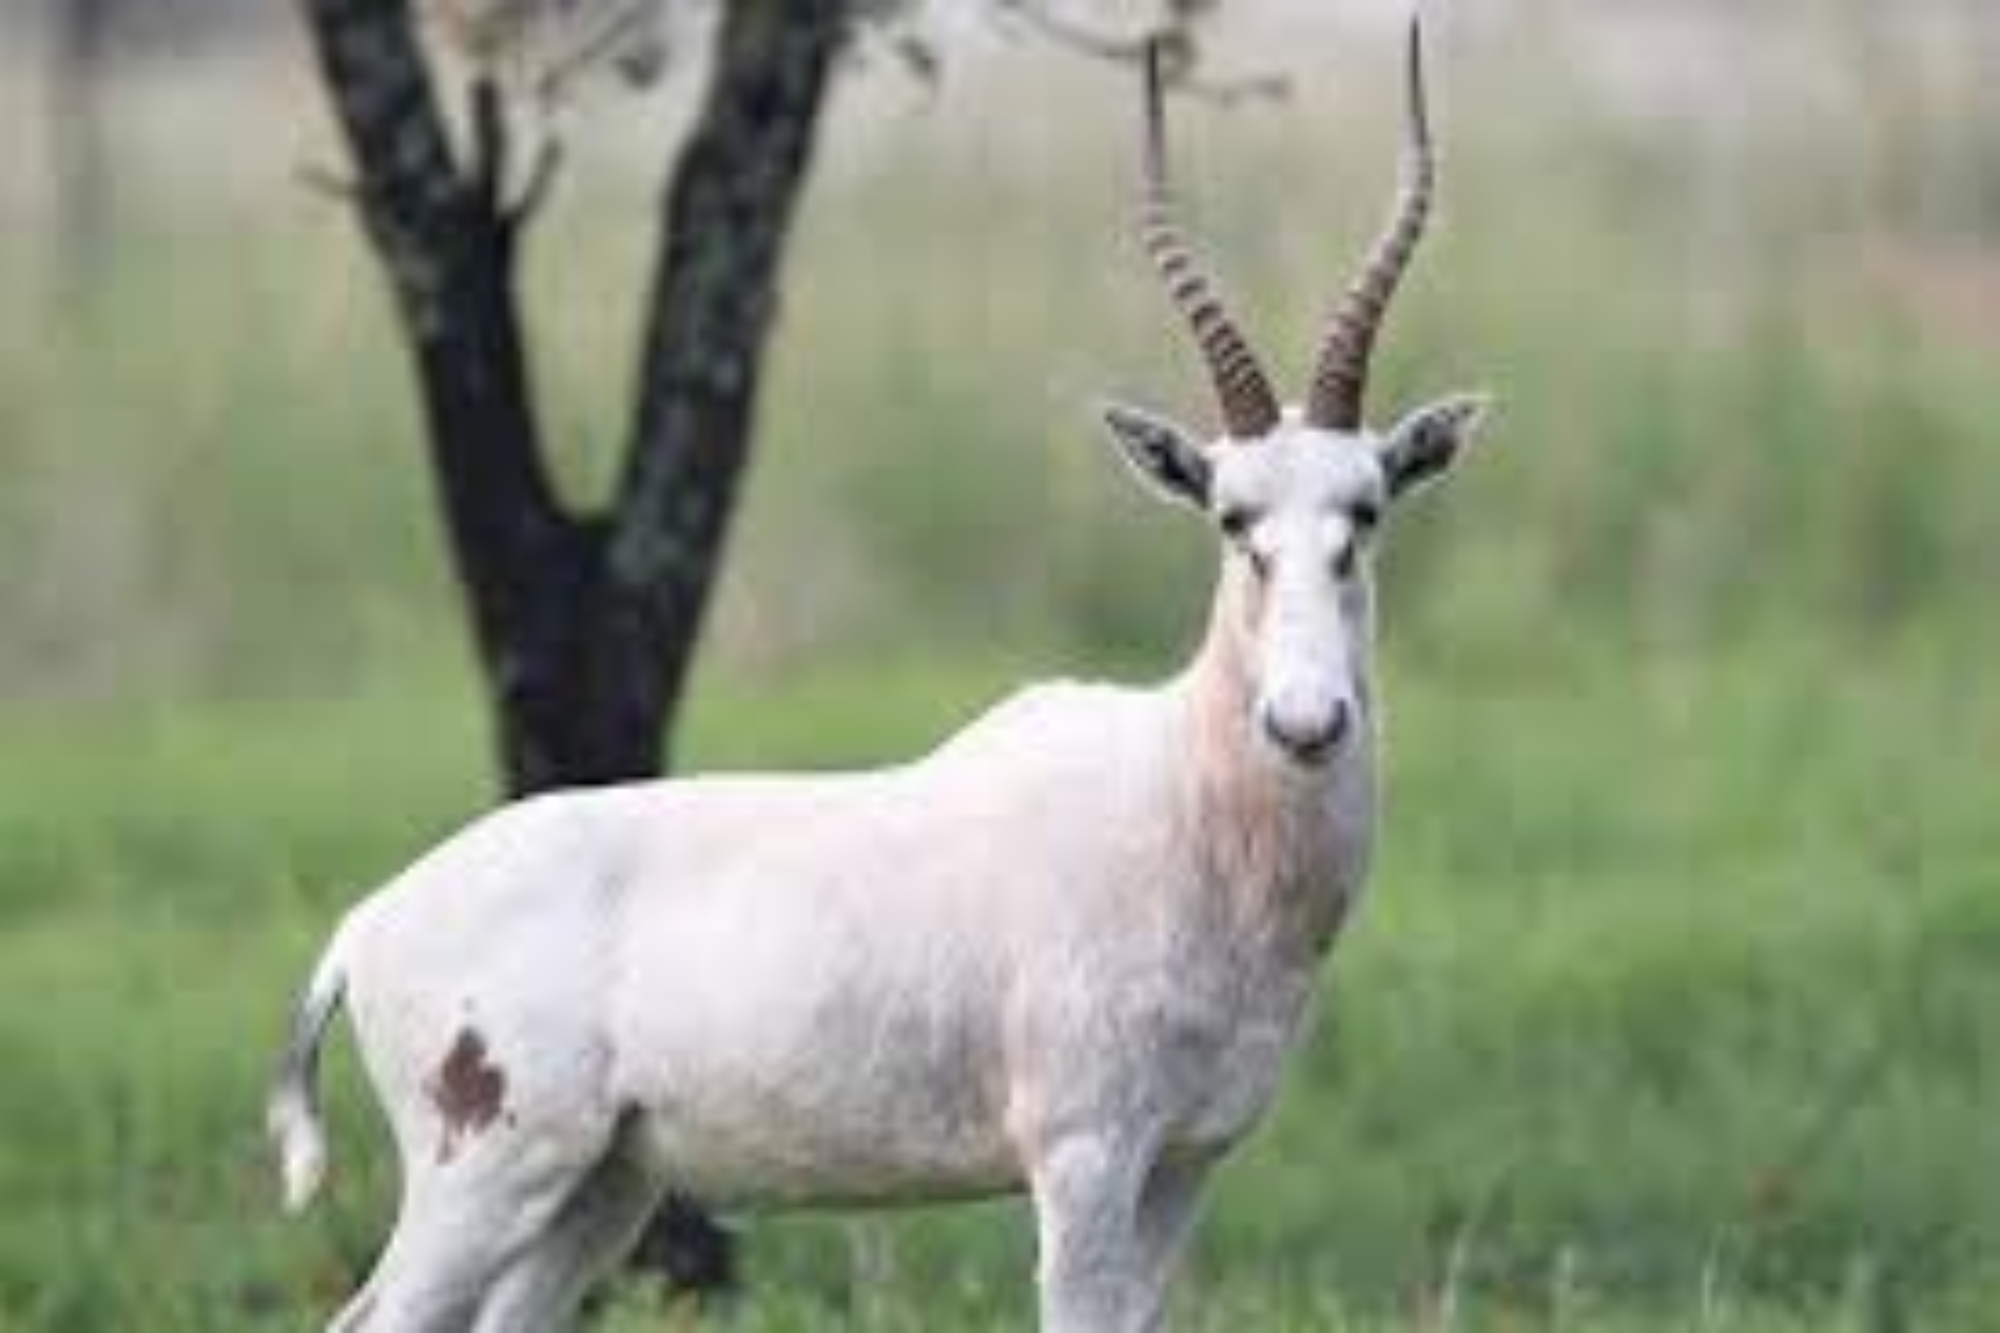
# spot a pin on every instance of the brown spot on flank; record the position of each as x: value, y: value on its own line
x: 469, y: 1092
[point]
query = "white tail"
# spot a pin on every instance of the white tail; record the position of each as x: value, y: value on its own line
x: 292, y: 1116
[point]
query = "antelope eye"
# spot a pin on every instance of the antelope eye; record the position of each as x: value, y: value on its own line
x: 1365, y: 516
x: 1235, y: 523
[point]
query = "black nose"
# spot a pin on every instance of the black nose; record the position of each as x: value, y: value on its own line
x: 1311, y: 742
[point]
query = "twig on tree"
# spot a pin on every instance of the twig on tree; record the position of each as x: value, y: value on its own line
x: 328, y: 183
x: 542, y: 174
x: 487, y: 170
x: 492, y: 165
x: 1180, y: 54
x: 1066, y: 31
x: 620, y: 40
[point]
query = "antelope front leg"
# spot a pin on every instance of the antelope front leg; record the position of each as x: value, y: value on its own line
x: 1167, y: 1208
x: 1098, y: 1269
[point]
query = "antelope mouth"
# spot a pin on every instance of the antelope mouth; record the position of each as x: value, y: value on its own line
x: 1309, y: 746
x: 1308, y: 754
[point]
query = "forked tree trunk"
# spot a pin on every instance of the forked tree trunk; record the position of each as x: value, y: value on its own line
x: 586, y: 623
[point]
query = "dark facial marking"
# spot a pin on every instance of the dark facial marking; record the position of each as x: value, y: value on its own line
x: 469, y: 1092
x: 1343, y: 560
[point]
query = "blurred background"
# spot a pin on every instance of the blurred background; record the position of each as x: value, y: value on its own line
x: 1673, y: 1006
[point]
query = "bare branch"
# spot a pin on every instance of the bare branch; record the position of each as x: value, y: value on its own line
x: 1176, y: 41
x: 491, y: 170
x: 328, y: 183
x: 542, y: 175
x: 487, y: 171
x: 623, y: 40
x: 1066, y: 31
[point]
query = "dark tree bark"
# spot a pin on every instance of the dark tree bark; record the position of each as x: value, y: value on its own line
x: 585, y: 623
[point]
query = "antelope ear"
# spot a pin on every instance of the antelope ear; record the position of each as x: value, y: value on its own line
x: 1162, y: 453
x: 1424, y: 444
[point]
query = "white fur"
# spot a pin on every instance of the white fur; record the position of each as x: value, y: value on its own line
x: 1068, y: 952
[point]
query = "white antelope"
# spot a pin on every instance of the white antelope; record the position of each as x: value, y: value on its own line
x: 1068, y: 952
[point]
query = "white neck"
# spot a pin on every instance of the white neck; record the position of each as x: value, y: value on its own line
x: 1286, y: 846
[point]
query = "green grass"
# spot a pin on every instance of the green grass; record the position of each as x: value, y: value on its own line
x: 1675, y: 981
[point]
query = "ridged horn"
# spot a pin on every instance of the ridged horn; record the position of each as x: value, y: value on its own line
x: 1340, y: 376
x: 1249, y: 407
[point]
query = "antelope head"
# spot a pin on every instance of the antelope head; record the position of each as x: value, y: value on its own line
x: 1297, y: 495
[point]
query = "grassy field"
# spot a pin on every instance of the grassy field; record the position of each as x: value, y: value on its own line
x: 1673, y: 1003
x: 1673, y: 1006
